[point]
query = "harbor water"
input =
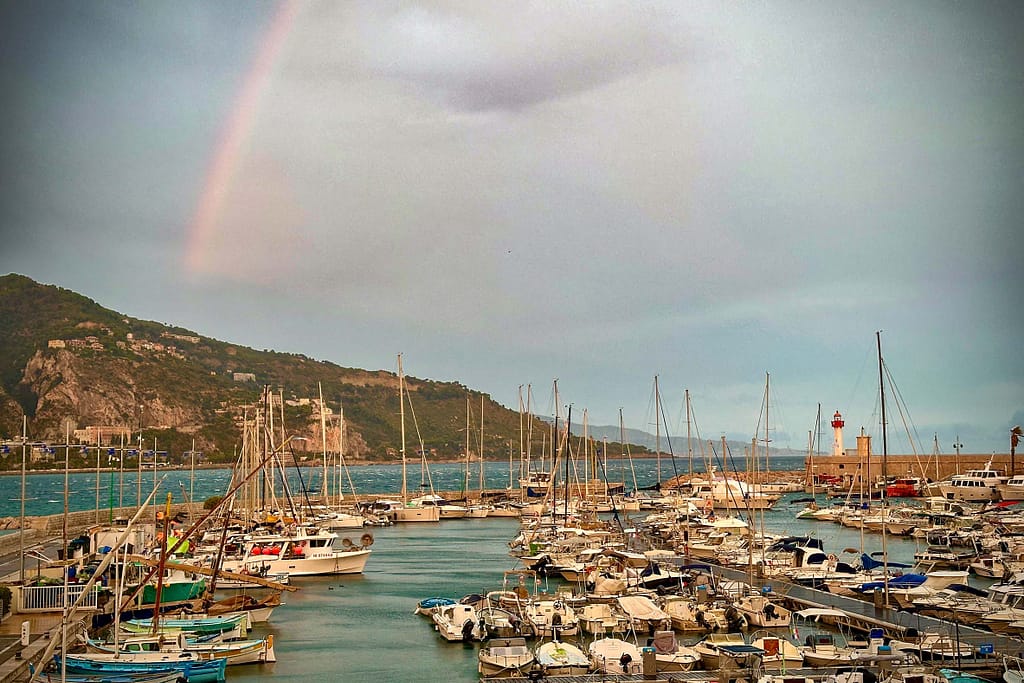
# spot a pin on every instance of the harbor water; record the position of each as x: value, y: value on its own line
x: 362, y: 628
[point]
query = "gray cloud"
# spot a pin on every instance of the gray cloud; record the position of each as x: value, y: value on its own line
x: 514, y: 192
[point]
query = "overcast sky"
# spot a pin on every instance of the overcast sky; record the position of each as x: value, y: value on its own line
x: 510, y: 192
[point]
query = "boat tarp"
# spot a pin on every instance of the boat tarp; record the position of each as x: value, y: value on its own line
x: 741, y: 649
x: 818, y: 612
x: 870, y: 563
x: 639, y: 607
x: 665, y: 642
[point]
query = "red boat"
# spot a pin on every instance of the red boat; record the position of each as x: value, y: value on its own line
x: 907, y: 487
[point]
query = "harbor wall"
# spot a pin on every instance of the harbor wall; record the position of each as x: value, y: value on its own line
x: 853, y: 468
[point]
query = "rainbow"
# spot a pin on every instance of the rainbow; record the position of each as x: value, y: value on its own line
x: 235, y: 134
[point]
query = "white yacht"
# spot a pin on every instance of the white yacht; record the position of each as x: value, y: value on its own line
x: 445, y: 509
x: 974, y: 485
x: 304, y: 551
x: 1012, y: 489
x: 724, y: 493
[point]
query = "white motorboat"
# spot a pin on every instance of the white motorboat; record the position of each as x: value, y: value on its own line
x: 458, y: 622
x: 670, y: 655
x: 615, y: 656
x: 550, y: 618
x: 682, y: 610
x: 498, y: 622
x: 556, y: 658
x: 732, y: 494
x: 644, y: 615
x: 780, y: 653
x: 826, y: 649
x: 725, y: 650
x: 504, y: 657
x: 599, y: 619
x: 762, y: 612
x: 933, y: 647
x: 445, y: 509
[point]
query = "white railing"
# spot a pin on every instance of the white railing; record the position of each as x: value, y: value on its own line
x: 51, y: 598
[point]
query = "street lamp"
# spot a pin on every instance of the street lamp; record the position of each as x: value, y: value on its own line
x: 21, y: 525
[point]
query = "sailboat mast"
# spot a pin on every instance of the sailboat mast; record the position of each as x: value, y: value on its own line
x: 465, y: 476
x: 885, y: 471
x: 657, y: 427
x: 767, y: 440
x: 481, y: 447
x: 401, y: 412
x: 522, y: 450
x: 323, y: 439
x: 689, y: 442
x: 767, y: 437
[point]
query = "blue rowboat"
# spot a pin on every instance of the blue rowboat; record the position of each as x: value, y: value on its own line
x: 186, y: 664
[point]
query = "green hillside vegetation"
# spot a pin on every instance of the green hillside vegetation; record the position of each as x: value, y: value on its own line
x: 188, y: 390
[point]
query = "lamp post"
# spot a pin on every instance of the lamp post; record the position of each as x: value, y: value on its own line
x: 21, y: 525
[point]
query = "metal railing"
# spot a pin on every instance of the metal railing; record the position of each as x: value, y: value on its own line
x: 51, y: 598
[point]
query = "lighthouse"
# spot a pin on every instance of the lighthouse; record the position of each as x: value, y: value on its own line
x: 837, y: 440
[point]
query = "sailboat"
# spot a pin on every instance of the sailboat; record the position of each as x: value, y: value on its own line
x: 407, y: 512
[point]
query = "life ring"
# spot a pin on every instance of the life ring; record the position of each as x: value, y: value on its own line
x: 366, y: 540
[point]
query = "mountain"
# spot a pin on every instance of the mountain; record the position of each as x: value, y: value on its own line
x: 68, y: 364
x: 670, y: 443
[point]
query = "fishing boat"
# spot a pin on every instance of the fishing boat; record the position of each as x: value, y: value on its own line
x: 201, y: 625
x: 556, y: 658
x: 187, y: 664
x: 905, y: 487
x: 235, y: 652
x: 301, y: 551
x: 504, y: 657
x: 162, y: 676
